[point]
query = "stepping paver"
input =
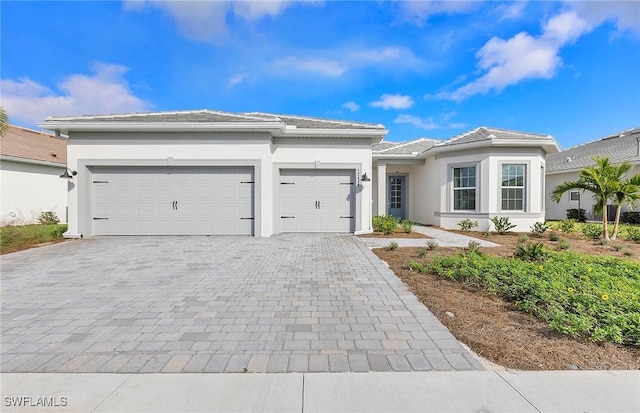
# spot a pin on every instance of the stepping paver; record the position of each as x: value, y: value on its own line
x: 288, y: 303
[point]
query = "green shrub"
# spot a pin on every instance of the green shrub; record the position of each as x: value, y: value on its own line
x: 630, y: 217
x: 384, y: 223
x: 577, y: 294
x: 531, y: 251
x: 592, y: 231
x: 553, y: 237
x: 563, y: 244
x: 432, y: 245
x: 577, y: 214
x: 48, y: 218
x: 568, y: 226
x: 523, y: 238
x: 502, y: 224
x: 422, y: 252
x: 633, y: 234
x: 392, y: 246
x: 407, y: 226
x: 25, y: 236
x: 467, y: 224
x: 539, y: 228
x: 473, y: 247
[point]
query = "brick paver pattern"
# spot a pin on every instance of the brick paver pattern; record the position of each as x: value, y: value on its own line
x: 288, y: 303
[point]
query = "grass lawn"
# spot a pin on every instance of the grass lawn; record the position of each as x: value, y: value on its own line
x: 23, y: 237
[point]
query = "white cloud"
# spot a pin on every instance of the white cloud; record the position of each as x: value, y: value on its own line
x: 512, y: 11
x: 206, y: 20
x: 419, y: 11
x: 624, y: 14
x: 351, y: 105
x: 429, y: 123
x: 336, y: 62
x: 508, y: 62
x: 328, y: 68
x: 253, y: 10
x: 237, y: 79
x: 387, y: 101
x: 105, y: 91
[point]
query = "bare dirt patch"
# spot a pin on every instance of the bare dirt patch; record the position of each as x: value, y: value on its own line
x: 497, y: 331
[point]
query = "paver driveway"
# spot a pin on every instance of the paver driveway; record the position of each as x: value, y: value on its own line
x: 294, y: 302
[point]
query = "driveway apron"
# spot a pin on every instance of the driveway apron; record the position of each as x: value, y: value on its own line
x: 288, y: 303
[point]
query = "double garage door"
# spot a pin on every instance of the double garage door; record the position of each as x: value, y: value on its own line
x: 172, y: 200
x: 317, y: 200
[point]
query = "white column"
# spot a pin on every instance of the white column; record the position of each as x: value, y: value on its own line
x: 382, y: 189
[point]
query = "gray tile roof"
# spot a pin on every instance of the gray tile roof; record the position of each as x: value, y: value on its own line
x: 484, y: 133
x: 315, y: 123
x: 404, y: 148
x: 165, y: 117
x: 211, y: 116
x: 619, y: 147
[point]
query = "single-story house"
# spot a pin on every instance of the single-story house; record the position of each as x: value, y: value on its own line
x: 209, y: 172
x: 480, y: 174
x: 31, y: 163
x: 566, y: 165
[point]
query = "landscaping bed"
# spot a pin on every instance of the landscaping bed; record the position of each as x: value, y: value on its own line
x: 499, y: 330
x: 18, y: 238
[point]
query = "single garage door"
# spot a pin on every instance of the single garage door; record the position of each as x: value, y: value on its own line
x: 313, y: 200
x: 172, y: 200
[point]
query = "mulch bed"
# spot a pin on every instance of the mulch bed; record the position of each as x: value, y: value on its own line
x: 497, y: 331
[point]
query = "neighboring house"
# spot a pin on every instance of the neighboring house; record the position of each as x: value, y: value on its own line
x: 30, y: 165
x: 209, y: 172
x: 477, y: 175
x: 566, y: 165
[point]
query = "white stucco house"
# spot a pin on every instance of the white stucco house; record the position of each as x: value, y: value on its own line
x: 30, y: 165
x: 566, y: 165
x: 209, y: 172
x: 479, y: 174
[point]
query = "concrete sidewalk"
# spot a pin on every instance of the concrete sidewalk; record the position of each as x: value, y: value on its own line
x: 443, y: 238
x: 472, y: 391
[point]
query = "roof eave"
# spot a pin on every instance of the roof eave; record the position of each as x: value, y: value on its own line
x: 66, y: 126
x: 377, y: 134
x: 19, y: 159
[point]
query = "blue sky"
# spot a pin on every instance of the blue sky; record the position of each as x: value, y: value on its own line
x: 421, y: 68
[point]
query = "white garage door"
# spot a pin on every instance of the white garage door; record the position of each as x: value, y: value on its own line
x: 317, y: 200
x: 172, y: 200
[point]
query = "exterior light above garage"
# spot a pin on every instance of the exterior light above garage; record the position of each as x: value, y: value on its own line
x: 69, y: 174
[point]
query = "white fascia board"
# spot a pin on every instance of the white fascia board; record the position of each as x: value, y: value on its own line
x: 549, y: 146
x: 66, y: 127
x: 394, y: 156
x: 331, y: 133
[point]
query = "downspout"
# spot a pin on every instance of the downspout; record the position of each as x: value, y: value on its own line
x: 638, y: 140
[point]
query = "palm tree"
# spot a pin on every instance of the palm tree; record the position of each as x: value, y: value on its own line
x: 627, y: 193
x: 4, y: 121
x: 602, y: 180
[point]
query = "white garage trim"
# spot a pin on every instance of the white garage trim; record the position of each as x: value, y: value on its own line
x: 85, y: 183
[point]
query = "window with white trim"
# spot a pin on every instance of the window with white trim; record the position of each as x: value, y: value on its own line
x: 464, y: 188
x: 513, y: 185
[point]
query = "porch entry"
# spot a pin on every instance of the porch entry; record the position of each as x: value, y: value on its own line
x: 397, y: 195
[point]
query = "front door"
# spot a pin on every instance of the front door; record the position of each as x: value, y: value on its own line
x: 396, y: 195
